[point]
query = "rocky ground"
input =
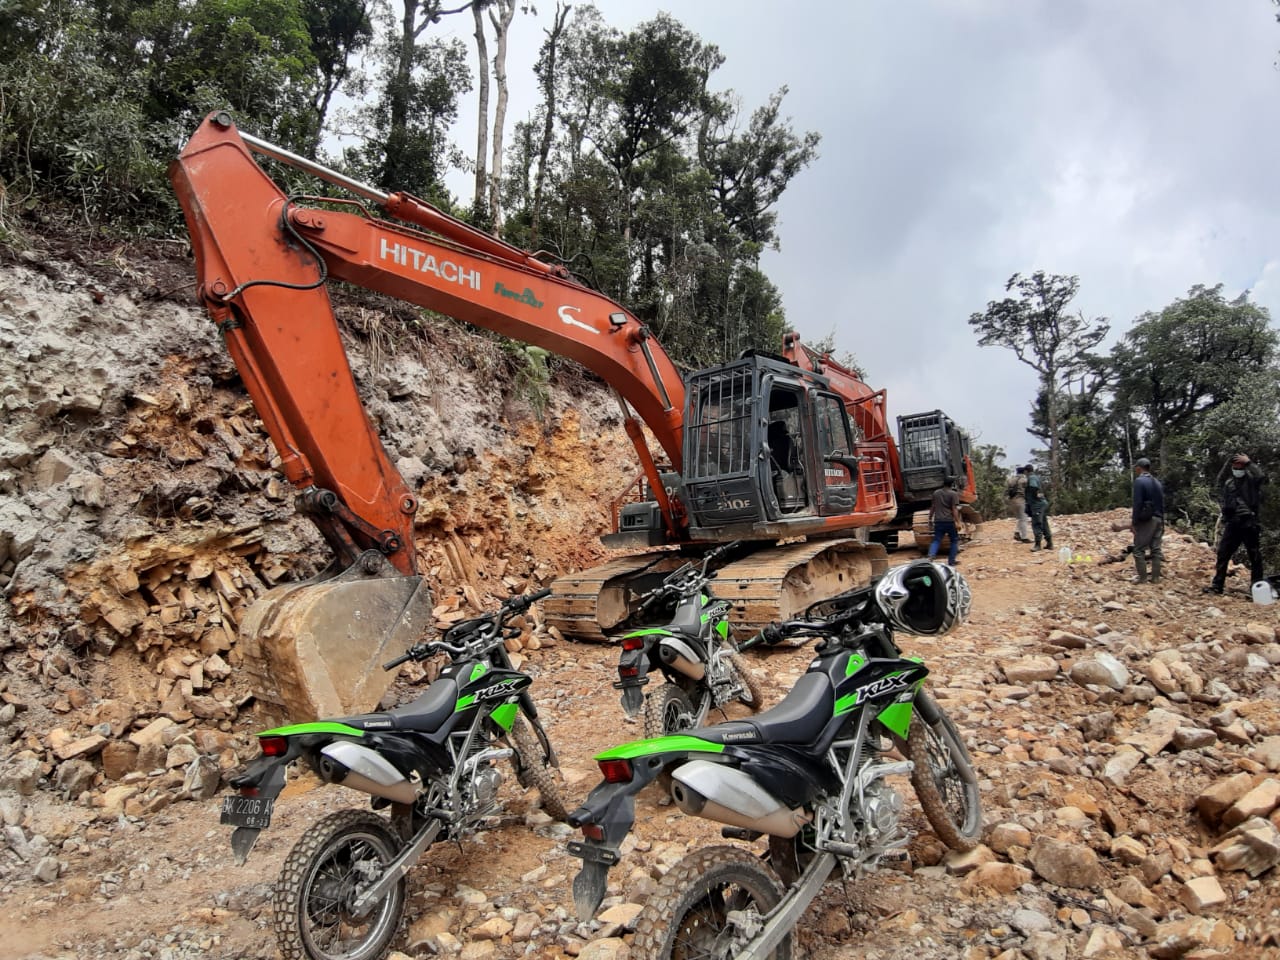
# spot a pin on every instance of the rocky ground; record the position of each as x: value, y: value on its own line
x: 1127, y: 736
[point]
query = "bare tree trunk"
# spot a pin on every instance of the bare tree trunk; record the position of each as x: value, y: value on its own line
x: 1051, y: 415
x: 501, y: 29
x: 549, y: 101
x: 482, y: 110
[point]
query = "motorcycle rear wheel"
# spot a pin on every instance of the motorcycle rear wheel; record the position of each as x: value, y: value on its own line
x: 531, y: 772
x: 667, y: 710
x: 687, y: 916
x: 951, y: 803
x: 326, y: 870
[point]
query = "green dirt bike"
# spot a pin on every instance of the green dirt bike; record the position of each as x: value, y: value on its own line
x: 429, y: 764
x: 698, y: 662
x: 810, y: 774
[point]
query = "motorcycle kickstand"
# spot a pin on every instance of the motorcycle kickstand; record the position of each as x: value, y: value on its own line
x: 779, y: 921
x: 397, y: 868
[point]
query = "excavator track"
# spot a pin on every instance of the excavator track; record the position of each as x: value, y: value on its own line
x: 922, y: 526
x: 774, y: 583
x: 584, y: 605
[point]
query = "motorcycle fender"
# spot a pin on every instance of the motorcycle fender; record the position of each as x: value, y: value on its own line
x: 266, y: 776
x: 612, y: 806
x: 632, y: 700
x: 598, y: 856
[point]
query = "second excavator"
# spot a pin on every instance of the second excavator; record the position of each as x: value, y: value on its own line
x: 788, y: 454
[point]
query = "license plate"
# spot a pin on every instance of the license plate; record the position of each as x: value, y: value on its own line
x: 247, y: 811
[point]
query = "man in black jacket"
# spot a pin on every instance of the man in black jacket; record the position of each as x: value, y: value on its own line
x: 1240, y: 482
x: 1148, y: 520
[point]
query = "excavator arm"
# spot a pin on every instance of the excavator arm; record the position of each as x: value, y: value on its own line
x: 262, y: 261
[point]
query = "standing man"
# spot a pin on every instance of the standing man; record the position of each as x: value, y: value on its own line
x: 1240, y: 482
x: 1016, y: 492
x: 1148, y: 520
x: 1038, y: 510
x: 945, y: 513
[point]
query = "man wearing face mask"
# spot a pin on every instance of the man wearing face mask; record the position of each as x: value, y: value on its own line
x: 1240, y: 482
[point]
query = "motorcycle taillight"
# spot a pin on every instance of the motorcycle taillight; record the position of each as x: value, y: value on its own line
x: 633, y: 643
x: 274, y: 746
x: 616, y: 771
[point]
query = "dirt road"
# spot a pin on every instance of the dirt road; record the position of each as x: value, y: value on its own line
x: 165, y: 886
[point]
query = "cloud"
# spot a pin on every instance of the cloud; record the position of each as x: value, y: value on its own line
x: 1131, y: 144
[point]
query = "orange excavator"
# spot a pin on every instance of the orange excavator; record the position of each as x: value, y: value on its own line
x: 788, y: 457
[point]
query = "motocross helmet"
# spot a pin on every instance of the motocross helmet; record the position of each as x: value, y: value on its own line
x: 924, y: 598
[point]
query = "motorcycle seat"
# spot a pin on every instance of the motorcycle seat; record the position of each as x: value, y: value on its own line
x: 425, y: 714
x: 797, y: 719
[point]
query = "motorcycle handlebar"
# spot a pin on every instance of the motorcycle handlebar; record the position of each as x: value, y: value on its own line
x: 420, y: 651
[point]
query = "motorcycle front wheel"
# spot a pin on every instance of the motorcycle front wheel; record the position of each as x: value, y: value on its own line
x: 688, y: 916
x: 753, y: 697
x: 532, y: 772
x: 324, y: 874
x: 944, y: 781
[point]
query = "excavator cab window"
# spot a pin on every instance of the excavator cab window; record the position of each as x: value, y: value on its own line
x: 785, y: 438
x: 719, y: 439
x: 835, y: 448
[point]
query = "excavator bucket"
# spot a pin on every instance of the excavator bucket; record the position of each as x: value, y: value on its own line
x: 315, y: 649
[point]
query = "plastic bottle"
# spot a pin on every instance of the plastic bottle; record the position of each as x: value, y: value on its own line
x: 1263, y: 594
x: 1064, y: 554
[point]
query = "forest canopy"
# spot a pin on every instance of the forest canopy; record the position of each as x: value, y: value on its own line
x: 634, y: 169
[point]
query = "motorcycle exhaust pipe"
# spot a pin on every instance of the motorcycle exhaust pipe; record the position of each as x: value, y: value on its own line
x: 351, y: 765
x: 721, y: 793
x: 680, y: 657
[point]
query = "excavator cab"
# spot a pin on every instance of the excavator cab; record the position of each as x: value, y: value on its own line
x: 768, y: 450
x: 932, y: 448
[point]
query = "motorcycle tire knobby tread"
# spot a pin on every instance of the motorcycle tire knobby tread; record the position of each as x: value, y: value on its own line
x: 531, y: 772
x: 286, y: 906
x: 954, y: 835
x: 685, y: 885
x: 751, y: 680
x: 655, y: 709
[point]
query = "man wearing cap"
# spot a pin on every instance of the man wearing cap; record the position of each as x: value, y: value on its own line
x: 1016, y: 493
x: 1240, y: 481
x: 1148, y: 520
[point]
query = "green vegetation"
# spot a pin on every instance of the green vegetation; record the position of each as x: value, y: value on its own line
x: 1187, y: 386
x: 634, y: 170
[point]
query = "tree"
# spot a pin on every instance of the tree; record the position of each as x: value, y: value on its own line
x: 750, y: 170
x: 1037, y: 328
x: 1175, y: 366
x: 545, y: 70
x: 339, y: 29
x: 421, y: 85
x: 990, y: 479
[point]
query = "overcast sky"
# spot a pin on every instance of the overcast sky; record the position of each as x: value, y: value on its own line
x: 1131, y: 142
